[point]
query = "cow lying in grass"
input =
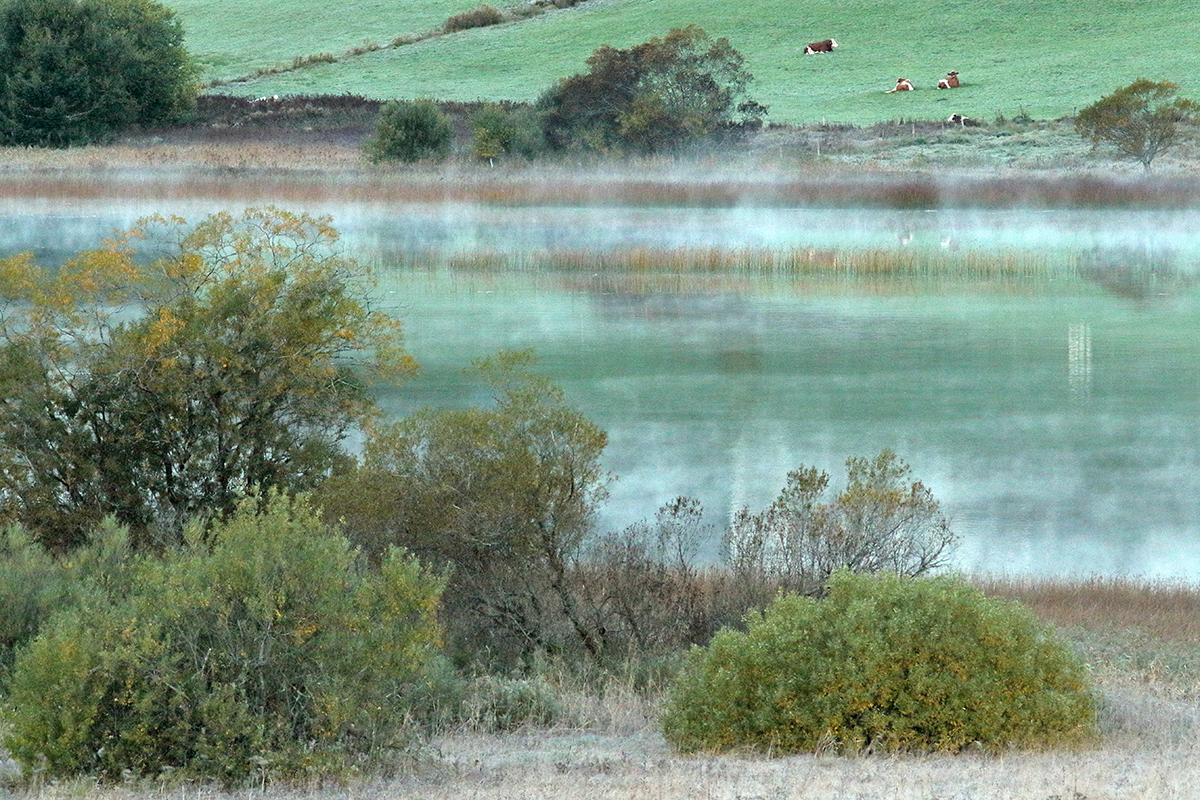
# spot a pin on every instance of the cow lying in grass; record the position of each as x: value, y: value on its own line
x: 824, y: 46
x: 902, y: 85
x: 949, y: 82
x: 966, y: 122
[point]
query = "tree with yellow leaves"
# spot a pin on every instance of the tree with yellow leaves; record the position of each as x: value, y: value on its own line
x: 163, y: 375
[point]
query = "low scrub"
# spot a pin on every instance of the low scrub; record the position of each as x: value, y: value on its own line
x: 275, y: 652
x: 480, y: 17
x: 882, y: 663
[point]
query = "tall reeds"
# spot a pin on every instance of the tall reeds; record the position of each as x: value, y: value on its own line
x: 789, y: 262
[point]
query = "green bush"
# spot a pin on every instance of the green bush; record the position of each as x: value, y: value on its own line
x: 77, y: 71
x: 409, y: 131
x: 274, y: 652
x: 34, y: 584
x: 882, y: 663
x: 506, y: 129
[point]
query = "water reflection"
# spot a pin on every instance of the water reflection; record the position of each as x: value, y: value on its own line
x: 1079, y: 359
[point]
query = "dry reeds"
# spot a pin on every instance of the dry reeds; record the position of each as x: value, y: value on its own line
x: 793, y: 262
x: 1166, y: 611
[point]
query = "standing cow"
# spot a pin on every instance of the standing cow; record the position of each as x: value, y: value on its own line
x: 824, y: 46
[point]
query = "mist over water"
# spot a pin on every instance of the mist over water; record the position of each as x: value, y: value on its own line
x: 1056, y: 421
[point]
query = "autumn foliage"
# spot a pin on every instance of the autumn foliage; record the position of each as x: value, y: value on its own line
x: 162, y: 377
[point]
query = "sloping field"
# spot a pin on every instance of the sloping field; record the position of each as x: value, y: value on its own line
x: 1046, y: 58
x: 236, y: 37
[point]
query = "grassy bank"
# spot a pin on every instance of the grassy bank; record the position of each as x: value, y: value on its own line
x: 1141, y: 641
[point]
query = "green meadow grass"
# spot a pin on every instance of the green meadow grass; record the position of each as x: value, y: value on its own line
x: 231, y: 38
x: 1046, y: 58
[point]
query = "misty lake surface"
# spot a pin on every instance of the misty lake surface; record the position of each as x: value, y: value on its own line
x: 1057, y: 419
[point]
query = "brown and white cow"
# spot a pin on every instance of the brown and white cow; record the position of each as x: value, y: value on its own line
x: 966, y: 122
x: 949, y: 82
x: 824, y: 46
x: 902, y: 85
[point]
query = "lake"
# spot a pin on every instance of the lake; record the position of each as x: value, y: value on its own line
x: 1057, y: 417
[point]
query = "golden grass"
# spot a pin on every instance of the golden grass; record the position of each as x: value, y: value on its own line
x: 1164, y: 610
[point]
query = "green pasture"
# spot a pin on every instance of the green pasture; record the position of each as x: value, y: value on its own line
x: 1047, y: 58
x: 231, y: 38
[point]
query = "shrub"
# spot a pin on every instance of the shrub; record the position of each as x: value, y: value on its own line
x: 506, y: 129
x: 275, y: 650
x: 880, y: 521
x: 506, y: 704
x: 501, y: 496
x: 882, y: 663
x: 34, y: 584
x: 475, y: 18
x: 157, y: 390
x: 409, y: 131
x: 77, y: 71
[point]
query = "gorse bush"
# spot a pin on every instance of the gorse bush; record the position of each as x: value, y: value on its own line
x: 410, y: 130
x: 882, y: 662
x: 274, y: 650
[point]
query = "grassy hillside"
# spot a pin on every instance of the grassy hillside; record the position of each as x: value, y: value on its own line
x: 1046, y: 57
x: 237, y: 37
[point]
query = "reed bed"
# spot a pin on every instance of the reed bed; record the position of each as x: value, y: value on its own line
x: 789, y: 262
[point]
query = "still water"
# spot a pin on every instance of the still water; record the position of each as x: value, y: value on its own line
x: 1056, y: 419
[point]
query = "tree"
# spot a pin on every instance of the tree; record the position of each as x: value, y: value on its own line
x: 160, y: 390
x: 503, y: 496
x: 879, y: 523
x: 656, y: 95
x: 505, y: 129
x: 409, y: 131
x: 78, y: 71
x: 1141, y: 120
